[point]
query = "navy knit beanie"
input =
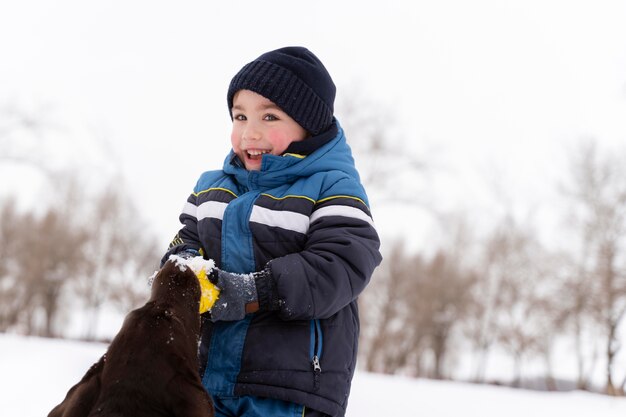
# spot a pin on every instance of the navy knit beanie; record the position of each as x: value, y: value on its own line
x: 295, y: 80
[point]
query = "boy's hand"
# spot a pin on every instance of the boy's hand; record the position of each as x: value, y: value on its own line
x: 237, y: 295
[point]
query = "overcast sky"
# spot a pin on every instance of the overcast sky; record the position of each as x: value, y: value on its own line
x: 483, y: 86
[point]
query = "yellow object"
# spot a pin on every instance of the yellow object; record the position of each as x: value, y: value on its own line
x: 209, y: 292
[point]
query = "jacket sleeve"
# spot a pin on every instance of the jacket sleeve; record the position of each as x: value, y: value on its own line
x: 340, y: 255
x: 187, y: 236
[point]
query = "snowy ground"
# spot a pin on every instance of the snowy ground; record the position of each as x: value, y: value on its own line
x: 36, y: 373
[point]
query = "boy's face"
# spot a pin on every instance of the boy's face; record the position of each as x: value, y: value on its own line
x: 260, y: 127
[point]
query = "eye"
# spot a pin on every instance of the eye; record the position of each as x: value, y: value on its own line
x: 270, y: 117
x: 239, y: 117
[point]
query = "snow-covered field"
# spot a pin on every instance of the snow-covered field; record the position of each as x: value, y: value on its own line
x: 36, y: 373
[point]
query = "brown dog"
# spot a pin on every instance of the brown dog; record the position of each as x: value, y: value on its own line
x: 151, y: 367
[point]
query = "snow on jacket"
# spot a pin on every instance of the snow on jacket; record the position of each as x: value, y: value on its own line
x: 309, y: 216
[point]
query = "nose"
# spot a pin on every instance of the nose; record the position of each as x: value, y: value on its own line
x: 251, y: 132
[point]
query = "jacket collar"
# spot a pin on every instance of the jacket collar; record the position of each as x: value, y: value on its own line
x: 310, y: 145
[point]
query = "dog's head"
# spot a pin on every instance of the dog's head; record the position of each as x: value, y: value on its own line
x: 178, y: 284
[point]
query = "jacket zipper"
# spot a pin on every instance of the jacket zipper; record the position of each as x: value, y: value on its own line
x: 316, y: 352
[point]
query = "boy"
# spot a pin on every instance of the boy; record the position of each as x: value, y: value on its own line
x: 287, y: 209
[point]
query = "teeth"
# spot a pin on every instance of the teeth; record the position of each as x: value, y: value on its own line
x: 257, y: 152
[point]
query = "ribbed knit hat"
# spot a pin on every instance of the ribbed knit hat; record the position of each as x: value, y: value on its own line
x: 295, y: 80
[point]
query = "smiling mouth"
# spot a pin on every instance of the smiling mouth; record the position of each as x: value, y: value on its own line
x: 256, y: 153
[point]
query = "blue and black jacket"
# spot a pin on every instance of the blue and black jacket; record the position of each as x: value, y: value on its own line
x: 305, y: 218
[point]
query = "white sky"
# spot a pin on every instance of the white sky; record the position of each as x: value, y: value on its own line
x: 495, y: 86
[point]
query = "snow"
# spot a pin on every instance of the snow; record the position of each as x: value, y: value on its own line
x: 196, y: 263
x: 36, y: 374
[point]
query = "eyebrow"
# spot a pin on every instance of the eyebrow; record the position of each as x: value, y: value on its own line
x: 269, y: 106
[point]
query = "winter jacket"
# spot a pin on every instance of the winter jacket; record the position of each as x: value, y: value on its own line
x: 307, y: 219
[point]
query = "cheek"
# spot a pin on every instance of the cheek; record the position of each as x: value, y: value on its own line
x: 235, y: 139
x: 279, y: 139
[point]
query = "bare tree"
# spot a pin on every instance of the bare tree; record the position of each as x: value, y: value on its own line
x: 118, y: 247
x: 580, y: 317
x: 14, y: 293
x: 481, y: 327
x: 410, y: 311
x: 40, y: 254
x: 75, y: 234
x: 49, y: 257
x: 376, y: 138
x: 443, y: 295
x: 553, y: 307
x: 22, y: 134
x: 385, y: 346
x: 598, y: 194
